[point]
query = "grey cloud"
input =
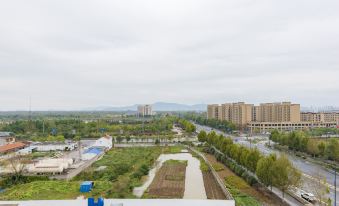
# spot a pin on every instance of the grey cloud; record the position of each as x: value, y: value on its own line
x: 71, y: 54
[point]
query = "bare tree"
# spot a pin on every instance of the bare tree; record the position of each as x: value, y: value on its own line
x: 17, y: 165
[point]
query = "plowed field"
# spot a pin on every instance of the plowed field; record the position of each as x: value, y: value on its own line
x: 169, y: 182
x: 213, y: 191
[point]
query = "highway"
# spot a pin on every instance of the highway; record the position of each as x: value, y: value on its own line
x: 308, y: 169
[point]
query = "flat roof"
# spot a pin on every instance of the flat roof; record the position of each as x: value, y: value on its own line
x: 126, y: 202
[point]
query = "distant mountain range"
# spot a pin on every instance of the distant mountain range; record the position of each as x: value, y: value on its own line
x: 158, y: 106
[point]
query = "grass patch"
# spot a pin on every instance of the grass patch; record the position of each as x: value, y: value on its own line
x: 218, y: 167
x: 203, y: 166
x: 234, y: 184
x: 173, y: 150
x: 245, y: 200
x: 43, y: 190
x: 237, y: 182
x: 175, y: 162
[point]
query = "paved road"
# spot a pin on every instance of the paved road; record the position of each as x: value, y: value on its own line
x: 308, y: 169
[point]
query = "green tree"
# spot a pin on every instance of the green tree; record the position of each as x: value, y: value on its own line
x: 332, y: 149
x: 285, y: 174
x: 202, y: 136
x: 265, y: 170
x: 252, y: 159
x: 313, y: 148
x: 322, y: 148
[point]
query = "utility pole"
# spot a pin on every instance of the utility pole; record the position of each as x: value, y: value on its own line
x: 43, y: 127
x: 30, y: 115
x: 335, y: 187
x: 79, y: 143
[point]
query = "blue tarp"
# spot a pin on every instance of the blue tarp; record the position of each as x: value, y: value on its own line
x: 94, y: 151
x: 86, y: 186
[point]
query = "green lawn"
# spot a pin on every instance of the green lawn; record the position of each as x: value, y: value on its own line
x: 173, y: 149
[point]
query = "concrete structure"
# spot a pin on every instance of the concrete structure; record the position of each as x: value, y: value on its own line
x: 105, y: 142
x: 50, y: 166
x: 6, y: 138
x: 125, y: 202
x: 287, y: 126
x: 145, y: 110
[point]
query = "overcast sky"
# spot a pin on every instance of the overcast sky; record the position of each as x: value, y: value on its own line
x: 74, y: 54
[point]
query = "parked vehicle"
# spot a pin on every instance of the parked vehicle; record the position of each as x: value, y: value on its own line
x: 308, y: 196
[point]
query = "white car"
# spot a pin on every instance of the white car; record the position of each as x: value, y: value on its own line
x: 308, y: 196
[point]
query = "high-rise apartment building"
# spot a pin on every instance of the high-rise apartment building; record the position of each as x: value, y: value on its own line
x: 213, y: 111
x: 241, y: 114
x: 145, y: 110
x: 278, y: 112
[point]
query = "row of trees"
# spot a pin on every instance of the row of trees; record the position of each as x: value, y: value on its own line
x: 270, y: 170
x: 70, y: 128
x: 186, y: 125
x: 302, y: 142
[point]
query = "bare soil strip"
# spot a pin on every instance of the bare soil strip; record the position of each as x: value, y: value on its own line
x: 213, y: 191
x: 169, y: 181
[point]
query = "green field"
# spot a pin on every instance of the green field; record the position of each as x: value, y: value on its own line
x: 124, y: 170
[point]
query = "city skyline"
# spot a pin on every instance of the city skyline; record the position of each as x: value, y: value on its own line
x: 192, y: 52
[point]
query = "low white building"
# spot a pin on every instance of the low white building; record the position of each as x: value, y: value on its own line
x: 50, y: 166
x: 105, y: 142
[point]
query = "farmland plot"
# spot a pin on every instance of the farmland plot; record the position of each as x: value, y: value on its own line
x: 213, y: 191
x: 169, y: 181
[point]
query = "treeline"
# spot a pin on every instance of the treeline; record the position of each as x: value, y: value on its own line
x: 251, y: 164
x: 316, y: 132
x: 224, y: 126
x: 302, y: 142
x: 72, y: 128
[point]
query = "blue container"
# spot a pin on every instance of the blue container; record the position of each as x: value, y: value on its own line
x: 86, y: 186
x: 91, y: 202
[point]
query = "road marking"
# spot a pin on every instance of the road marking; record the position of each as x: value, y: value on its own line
x: 326, y: 184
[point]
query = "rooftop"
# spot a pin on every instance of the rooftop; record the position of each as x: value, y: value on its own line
x: 9, y: 147
x: 5, y: 134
